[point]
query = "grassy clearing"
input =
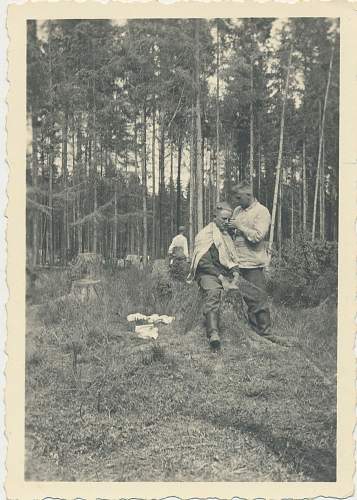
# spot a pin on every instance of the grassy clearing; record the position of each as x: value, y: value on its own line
x: 103, y: 405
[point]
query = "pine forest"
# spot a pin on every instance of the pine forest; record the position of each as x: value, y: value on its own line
x: 139, y: 126
x: 134, y: 372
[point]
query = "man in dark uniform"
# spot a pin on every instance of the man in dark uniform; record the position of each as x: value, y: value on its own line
x: 214, y: 261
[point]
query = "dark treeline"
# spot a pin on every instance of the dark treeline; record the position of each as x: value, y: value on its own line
x: 138, y: 127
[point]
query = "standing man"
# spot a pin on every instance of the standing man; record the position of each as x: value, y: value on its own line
x: 179, y: 246
x: 251, y: 221
x: 214, y: 261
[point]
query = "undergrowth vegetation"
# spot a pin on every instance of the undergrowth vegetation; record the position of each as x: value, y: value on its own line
x: 306, y: 273
x: 103, y: 404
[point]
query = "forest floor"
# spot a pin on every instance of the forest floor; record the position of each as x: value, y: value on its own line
x: 104, y: 405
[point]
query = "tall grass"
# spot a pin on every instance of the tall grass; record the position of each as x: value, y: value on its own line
x: 48, y: 285
x: 139, y: 291
x: 102, y: 389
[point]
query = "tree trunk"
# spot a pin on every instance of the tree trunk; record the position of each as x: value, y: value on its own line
x: 199, y: 132
x: 32, y: 30
x: 115, y: 225
x: 280, y: 155
x: 178, y: 183
x: 94, y: 163
x: 132, y: 239
x: 172, y: 211
x: 136, y: 147
x: 153, y: 169
x: 320, y: 143
x: 32, y: 35
x: 292, y: 185
x: 34, y: 183
x: 280, y: 229
x: 322, y: 192
x: 251, y: 128
x: 71, y: 229
x: 144, y: 190
x: 79, y: 178
x: 50, y: 154
x: 192, y: 185
x: 138, y: 238
x: 95, y: 208
x: 217, y: 119
x: 304, y: 187
x: 50, y: 204
x: 65, y: 243
x: 161, y: 183
x: 212, y: 197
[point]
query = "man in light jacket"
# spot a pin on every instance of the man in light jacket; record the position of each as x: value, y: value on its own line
x: 251, y: 221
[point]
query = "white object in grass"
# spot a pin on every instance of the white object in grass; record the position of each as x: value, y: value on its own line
x: 147, y: 331
x: 154, y: 318
x: 167, y: 320
x: 136, y: 317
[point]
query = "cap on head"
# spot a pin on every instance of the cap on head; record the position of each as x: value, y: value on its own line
x: 243, y: 187
x: 181, y: 229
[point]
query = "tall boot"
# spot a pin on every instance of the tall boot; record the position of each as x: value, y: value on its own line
x: 263, y: 320
x: 221, y: 325
x: 212, y: 329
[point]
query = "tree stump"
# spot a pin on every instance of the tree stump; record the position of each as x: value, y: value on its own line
x: 86, y: 289
x: 87, y: 265
x: 85, y: 273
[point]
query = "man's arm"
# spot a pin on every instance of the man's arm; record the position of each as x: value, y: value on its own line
x: 258, y: 231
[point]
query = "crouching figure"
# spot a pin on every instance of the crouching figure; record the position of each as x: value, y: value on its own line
x: 214, y: 260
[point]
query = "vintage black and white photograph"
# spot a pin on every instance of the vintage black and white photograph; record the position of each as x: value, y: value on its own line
x: 182, y: 194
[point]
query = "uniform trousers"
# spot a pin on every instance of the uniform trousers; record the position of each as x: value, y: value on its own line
x: 252, y: 286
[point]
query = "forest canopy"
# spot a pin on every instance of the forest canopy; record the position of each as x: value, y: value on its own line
x: 139, y: 126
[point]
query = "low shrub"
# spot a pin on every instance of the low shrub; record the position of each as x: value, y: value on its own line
x: 306, y: 274
x: 45, y: 285
x: 179, y: 269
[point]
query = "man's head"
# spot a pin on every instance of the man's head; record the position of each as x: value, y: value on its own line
x: 181, y: 229
x: 223, y: 214
x: 242, y: 194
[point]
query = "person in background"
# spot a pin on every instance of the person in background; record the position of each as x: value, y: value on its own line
x: 179, y: 246
x: 214, y: 262
x: 251, y: 221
